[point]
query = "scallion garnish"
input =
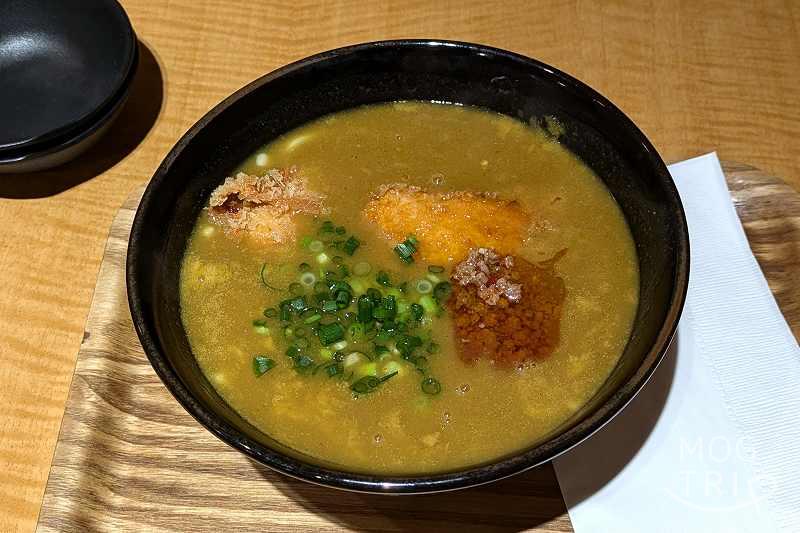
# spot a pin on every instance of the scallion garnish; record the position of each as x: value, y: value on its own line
x: 264, y: 280
x: 295, y: 288
x: 435, y: 269
x: 304, y: 267
x: 350, y: 245
x: 431, y: 386
x: 316, y: 317
x: 303, y: 363
x: 406, y: 345
x: 406, y: 249
x: 270, y: 312
x: 330, y: 333
x: 329, y: 306
x: 417, y: 311
x: 365, y: 306
x: 340, y: 230
x: 262, y: 364
x: 383, y: 279
x: 442, y: 292
x: 423, y: 286
x: 374, y: 295
x: 362, y: 269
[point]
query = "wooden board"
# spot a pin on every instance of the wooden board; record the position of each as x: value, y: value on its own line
x: 129, y: 457
x: 694, y: 76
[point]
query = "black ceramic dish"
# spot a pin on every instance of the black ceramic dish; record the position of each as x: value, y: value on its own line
x: 67, y: 67
x: 517, y: 86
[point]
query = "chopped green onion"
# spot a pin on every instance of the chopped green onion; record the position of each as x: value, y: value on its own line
x: 259, y: 323
x: 354, y: 358
x: 308, y: 279
x: 406, y: 249
x: 365, y: 385
x: 305, y: 241
x: 327, y: 227
x: 429, y: 304
x: 374, y: 295
x: 292, y: 352
x: 350, y: 245
x: 387, y: 310
x: 334, y: 370
x: 298, y: 305
x: 362, y: 268
x: 339, y: 346
x: 295, y: 288
x: 435, y: 269
x: 343, y: 299
x: 431, y: 386
x: 303, y: 363
x: 433, y: 278
x: 270, y: 312
x: 313, y: 318
x: 325, y: 353
x: 263, y: 280
x: 432, y: 347
x: 316, y: 246
x: 329, y: 306
x: 330, y: 333
x: 442, y: 292
x: 423, y: 286
x: 323, y: 258
x: 341, y: 230
x: 417, y: 311
x: 364, y: 308
x: 355, y: 332
x: 262, y: 364
x: 299, y: 331
x: 288, y: 332
x: 406, y: 345
x: 304, y: 267
x: 383, y: 279
x: 380, y: 349
x: 285, y: 311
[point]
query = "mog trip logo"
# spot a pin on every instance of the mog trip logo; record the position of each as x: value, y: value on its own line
x: 716, y: 474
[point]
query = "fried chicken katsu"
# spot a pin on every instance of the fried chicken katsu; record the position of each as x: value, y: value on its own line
x: 448, y: 225
x: 263, y: 207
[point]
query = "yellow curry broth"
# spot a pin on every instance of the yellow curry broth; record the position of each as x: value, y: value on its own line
x: 482, y: 412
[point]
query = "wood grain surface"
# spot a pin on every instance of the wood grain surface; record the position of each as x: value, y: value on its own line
x: 129, y: 457
x: 696, y: 76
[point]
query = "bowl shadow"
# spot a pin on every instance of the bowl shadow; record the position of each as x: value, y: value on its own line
x: 528, y: 500
x: 137, y: 117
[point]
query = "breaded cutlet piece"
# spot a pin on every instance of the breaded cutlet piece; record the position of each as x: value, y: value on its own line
x: 264, y: 207
x: 448, y: 225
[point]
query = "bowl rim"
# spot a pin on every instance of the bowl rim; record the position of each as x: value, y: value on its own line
x: 412, y: 484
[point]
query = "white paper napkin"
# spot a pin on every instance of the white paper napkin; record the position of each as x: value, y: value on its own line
x: 712, y: 442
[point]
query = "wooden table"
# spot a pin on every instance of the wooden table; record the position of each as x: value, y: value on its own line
x: 695, y: 76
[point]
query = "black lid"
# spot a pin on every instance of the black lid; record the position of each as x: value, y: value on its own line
x: 62, y: 62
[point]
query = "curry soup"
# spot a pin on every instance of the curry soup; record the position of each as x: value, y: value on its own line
x: 410, y: 288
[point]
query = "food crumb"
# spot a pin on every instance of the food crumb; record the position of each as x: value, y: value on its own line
x: 507, y: 309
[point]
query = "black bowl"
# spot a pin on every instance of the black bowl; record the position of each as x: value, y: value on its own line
x: 605, y: 139
x: 67, y: 68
